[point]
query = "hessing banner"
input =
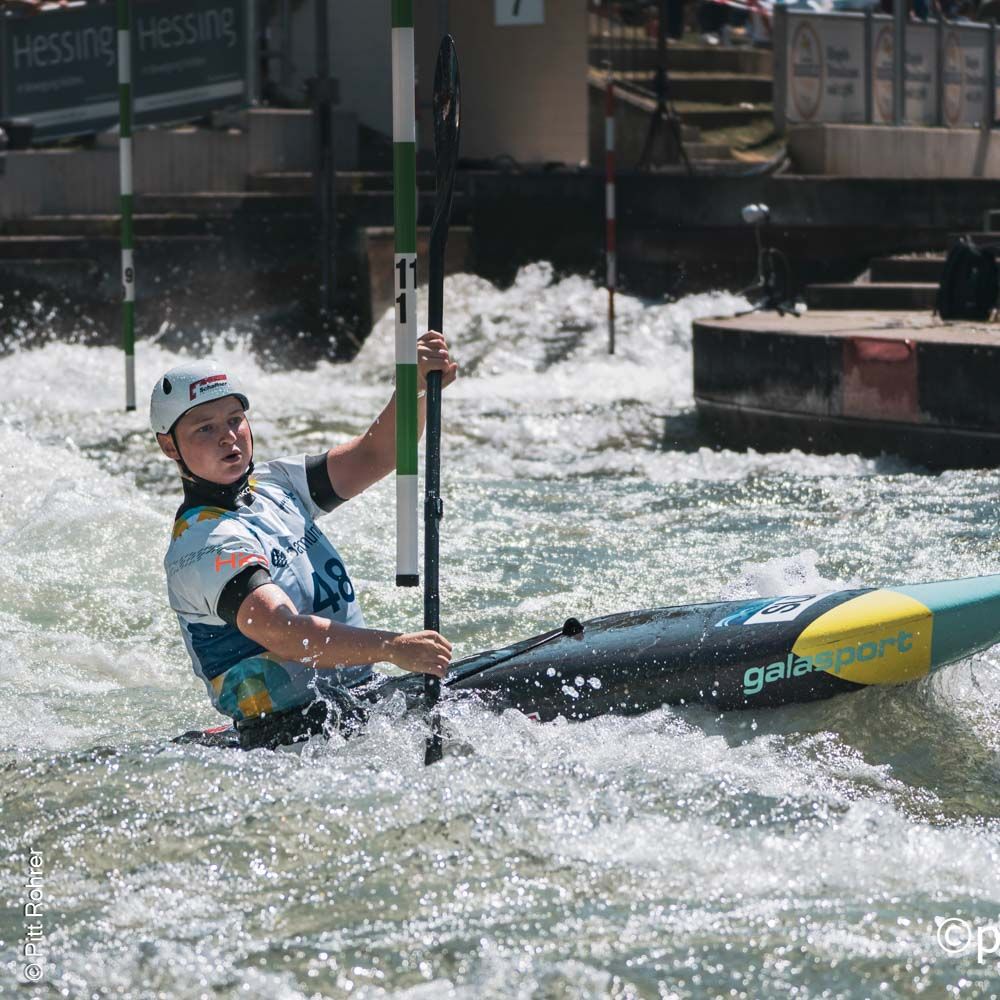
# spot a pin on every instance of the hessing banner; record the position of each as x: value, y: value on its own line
x: 60, y: 69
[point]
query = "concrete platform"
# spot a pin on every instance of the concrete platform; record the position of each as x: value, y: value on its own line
x: 892, y: 295
x: 872, y: 382
x: 926, y: 268
x: 894, y: 151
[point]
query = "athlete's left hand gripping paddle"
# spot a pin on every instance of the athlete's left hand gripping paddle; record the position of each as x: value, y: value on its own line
x: 447, y: 120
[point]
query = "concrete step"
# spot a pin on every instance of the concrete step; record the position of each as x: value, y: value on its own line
x: 348, y: 182
x: 992, y: 221
x: 705, y: 168
x: 646, y: 102
x: 69, y: 274
x: 376, y: 208
x: 875, y: 295
x: 709, y: 118
x: 906, y: 269
x: 681, y: 58
x: 226, y: 204
x: 365, y: 208
x: 712, y: 88
x: 980, y: 239
x: 104, y: 225
x: 708, y: 151
x: 64, y: 247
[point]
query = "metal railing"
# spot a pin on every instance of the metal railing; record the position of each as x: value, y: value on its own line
x: 623, y: 42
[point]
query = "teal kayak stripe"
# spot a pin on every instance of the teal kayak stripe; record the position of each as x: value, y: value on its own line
x: 966, y: 615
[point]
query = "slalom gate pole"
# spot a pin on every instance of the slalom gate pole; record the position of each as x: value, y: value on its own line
x: 404, y: 162
x: 611, y: 237
x: 125, y: 171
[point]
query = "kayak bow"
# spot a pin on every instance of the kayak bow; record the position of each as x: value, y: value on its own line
x: 740, y: 654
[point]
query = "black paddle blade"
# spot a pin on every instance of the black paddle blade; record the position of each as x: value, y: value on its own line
x: 447, y: 125
x: 447, y: 109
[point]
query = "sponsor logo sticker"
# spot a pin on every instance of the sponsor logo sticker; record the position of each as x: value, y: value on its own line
x: 837, y: 660
x: 740, y: 617
x: 238, y: 560
x: 203, y: 385
x: 784, y: 609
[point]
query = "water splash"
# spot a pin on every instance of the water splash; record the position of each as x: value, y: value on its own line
x: 619, y: 856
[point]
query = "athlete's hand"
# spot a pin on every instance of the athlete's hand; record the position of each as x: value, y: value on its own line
x: 421, y: 652
x: 432, y: 356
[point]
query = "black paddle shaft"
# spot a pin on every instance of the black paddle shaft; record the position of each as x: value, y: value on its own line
x: 447, y: 114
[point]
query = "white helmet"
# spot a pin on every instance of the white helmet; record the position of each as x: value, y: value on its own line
x: 187, y: 386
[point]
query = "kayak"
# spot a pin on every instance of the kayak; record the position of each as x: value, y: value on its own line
x: 728, y: 655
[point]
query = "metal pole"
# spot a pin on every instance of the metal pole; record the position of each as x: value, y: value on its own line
x: 3, y: 48
x: 324, y: 175
x: 990, y: 111
x: 611, y: 238
x: 125, y: 173
x: 660, y: 86
x: 252, y: 82
x: 869, y: 66
x: 899, y: 12
x: 939, y: 54
x: 286, y: 46
x: 404, y: 151
x: 780, y: 68
x: 661, y: 58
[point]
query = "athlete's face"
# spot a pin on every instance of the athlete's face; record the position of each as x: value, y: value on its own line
x: 214, y: 439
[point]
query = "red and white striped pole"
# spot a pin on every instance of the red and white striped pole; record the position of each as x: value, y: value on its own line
x: 611, y: 238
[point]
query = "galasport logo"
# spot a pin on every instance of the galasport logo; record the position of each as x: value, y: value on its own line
x: 238, y: 560
x: 204, y: 384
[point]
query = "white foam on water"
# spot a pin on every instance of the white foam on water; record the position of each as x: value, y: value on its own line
x: 620, y: 855
x: 781, y: 576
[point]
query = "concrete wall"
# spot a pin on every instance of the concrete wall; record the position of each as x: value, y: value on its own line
x: 887, y: 151
x: 852, y: 381
x: 360, y: 57
x: 524, y: 89
x: 167, y: 161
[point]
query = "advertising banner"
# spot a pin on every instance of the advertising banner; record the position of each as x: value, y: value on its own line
x: 60, y: 69
x: 921, y: 75
x: 833, y: 73
x: 965, y: 76
x: 826, y: 65
x: 920, y: 106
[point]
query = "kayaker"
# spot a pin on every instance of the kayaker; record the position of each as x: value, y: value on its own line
x: 265, y: 603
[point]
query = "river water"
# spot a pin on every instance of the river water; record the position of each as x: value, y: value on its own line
x: 803, y: 852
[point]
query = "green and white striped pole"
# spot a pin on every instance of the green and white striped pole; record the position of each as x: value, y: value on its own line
x: 125, y: 170
x: 404, y: 162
